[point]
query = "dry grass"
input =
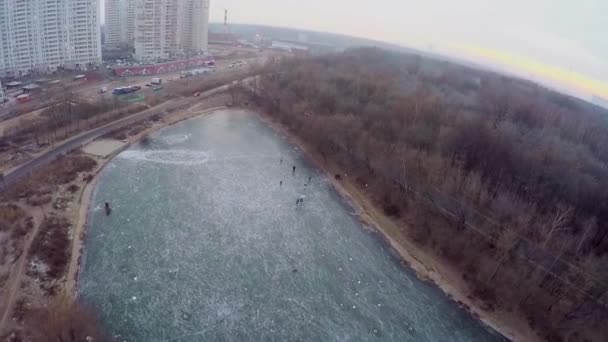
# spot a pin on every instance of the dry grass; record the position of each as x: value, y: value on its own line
x: 10, y: 214
x: 14, y: 219
x: 42, y: 182
x: 38, y: 200
x: 50, y: 251
x: 73, y: 188
x: 65, y: 321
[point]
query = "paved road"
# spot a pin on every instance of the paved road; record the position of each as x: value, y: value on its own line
x: 86, y: 137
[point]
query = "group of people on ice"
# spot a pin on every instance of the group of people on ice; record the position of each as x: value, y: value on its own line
x: 300, y: 199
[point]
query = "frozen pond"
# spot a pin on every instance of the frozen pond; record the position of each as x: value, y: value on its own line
x: 203, y: 244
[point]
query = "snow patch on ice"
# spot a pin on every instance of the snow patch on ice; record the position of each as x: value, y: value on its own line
x: 175, y: 139
x: 170, y: 157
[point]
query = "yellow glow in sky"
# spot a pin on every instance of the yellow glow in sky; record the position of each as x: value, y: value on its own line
x: 563, y: 76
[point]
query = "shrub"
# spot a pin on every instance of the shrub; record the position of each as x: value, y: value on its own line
x: 66, y: 321
x: 51, y: 247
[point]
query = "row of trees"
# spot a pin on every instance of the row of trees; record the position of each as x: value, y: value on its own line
x: 500, y: 176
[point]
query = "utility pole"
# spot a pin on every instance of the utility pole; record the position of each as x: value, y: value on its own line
x: 226, y: 21
x: 1, y: 94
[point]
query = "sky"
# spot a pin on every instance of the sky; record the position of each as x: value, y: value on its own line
x: 564, y: 42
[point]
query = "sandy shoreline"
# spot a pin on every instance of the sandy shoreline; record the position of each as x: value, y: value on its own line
x: 426, y: 266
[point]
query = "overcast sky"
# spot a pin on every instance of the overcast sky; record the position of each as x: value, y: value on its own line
x: 562, y: 40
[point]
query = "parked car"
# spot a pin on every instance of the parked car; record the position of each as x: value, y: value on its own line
x: 24, y: 98
x: 125, y: 90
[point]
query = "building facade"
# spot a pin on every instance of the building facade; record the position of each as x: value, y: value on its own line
x: 120, y: 16
x: 155, y: 29
x: 193, y: 26
x: 48, y: 35
x: 158, y: 29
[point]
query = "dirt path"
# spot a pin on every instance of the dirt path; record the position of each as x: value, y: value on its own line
x: 78, y: 235
x: 15, y: 280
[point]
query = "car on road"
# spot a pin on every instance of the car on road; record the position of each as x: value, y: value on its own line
x: 236, y: 64
x: 121, y: 90
x: 125, y: 90
x: 197, y: 94
x: 24, y: 98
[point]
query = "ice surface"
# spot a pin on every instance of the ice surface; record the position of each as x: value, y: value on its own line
x: 204, y: 245
x: 175, y: 139
x: 172, y: 157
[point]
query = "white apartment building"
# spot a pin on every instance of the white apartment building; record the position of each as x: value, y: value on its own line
x: 193, y: 25
x: 47, y: 35
x: 160, y: 28
x: 155, y: 29
x: 120, y: 16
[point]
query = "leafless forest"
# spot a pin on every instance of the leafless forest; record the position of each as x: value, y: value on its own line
x: 501, y: 178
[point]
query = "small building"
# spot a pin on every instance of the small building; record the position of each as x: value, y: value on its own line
x: 31, y: 88
x: 286, y: 46
x: 219, y: 38
x: 13, y: 84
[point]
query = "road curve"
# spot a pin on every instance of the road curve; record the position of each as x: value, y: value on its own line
x: 77, y: 141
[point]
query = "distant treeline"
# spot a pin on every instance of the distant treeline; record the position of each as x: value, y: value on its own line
x: 501, y: 177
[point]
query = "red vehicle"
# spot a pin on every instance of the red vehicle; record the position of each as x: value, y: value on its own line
x: 23, y: 98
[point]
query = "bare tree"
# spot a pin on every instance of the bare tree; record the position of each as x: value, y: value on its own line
x: 561, y: 219
x: 66, y: 321
x: 589, y: 225
x: 507, y: 241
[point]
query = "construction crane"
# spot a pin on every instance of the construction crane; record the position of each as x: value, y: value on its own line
x: 226, y: 21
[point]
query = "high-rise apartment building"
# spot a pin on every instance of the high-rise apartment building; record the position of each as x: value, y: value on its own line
x: 47, y: 35
x: 158, y: 29
x: 120, y: 16
x: 193, y: 25
x: 155, y: 29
